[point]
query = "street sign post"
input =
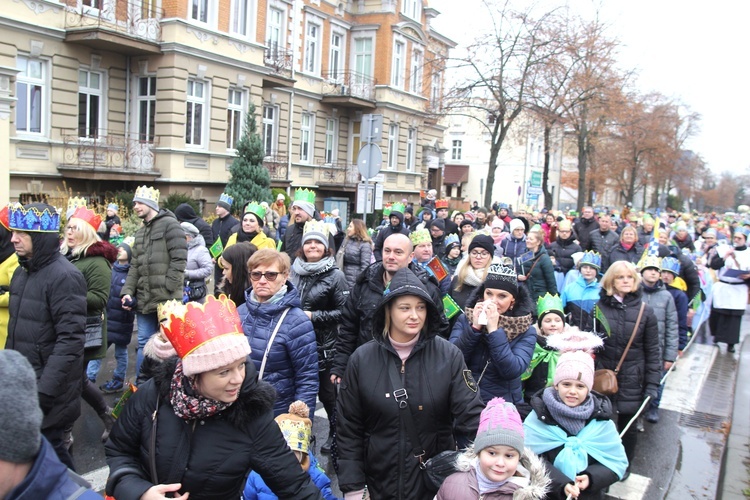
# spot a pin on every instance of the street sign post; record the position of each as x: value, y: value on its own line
x: 370, y: 157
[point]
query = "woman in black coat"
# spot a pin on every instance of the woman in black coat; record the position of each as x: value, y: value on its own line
x: 355, y: 253
x: 323, y: 292
x: 640, y: 373
x: 628, y: 249
x: 375, y: 450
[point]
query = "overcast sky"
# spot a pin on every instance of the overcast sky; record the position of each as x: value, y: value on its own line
x: 695, y: 52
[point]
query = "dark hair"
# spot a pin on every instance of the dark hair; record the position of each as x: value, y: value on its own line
x: 237, y: 256
x: 300, y: 254
x: 360, y: 230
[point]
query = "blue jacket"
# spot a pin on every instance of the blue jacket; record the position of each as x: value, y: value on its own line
x: 119, y: 321
x: 681, y: 303
x: 256, y: 488
x: 292, y: 365
x: 514, y: 248
x: 579, y: 299
x: 49, y: 479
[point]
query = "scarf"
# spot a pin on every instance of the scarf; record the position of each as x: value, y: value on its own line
x: 303, y: 268
x: 188, y: 405
x: 627, y: 246
x: 243, y: 236
x: 275, y: 298
x: 598, y: 439
x: 542, y: 355
x: 474, y: 277
x: 571, y: 419
x: 485, y: 484
x: 514, y: 325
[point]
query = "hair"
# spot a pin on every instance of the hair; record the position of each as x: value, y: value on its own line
x: 300, y: 253
x: 456, y: 215
x: 237, y: 256
x: 617, y: 268
x: 387, y: 315
x: 463, y: 271
x: 360, y: 231
x: 86, y: 236
x: 538, y: 234
x: 629, y: 228
x: 267, y: 257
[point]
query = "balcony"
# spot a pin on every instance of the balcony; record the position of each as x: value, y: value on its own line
x: 279, y: 62
x: 129, y: 27
x: 337, y: 175
x: 108, y: 156
x: 348, y: 89
x: 277, y: 165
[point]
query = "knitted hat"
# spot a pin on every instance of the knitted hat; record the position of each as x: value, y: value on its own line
x: 20, y: 433
x: 438, y: 223
x: 483, y: 241
x: 499, y: 425
x: 575, y: 365
x: 113, y: 207
x: 189, y: 229
x: 498, y: 222
x: 469, y: 216
x: 296, y: 427
x: 466, y: 222
x: 316, y: 230
x: 225, y: 202
x: 148, y: 196
x: 517, y: 224
x: 127, y: 249
x: 280, y: 197
x: 502, y: 277
x: 158, y: 347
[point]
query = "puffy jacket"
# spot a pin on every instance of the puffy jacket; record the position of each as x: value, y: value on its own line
x: 324, y: 295
x: 210, y: 457
x: 582, y: 230
x: 384, y: 233
x: 540, y: 275
x: 357, y: 318
x: 292, y: 364
x: 357, y: 256
x: 513, y: 248
x: 502, y: 361
x: 579, y: 299
x: 644, y: 238
x: 562, y: 250
x: 662, y: 303
x: 602, y: 242
x: 199, y: 264
x: 681, y: 304
x: 119, y: 321
x: 619, y: 252
x: 257, y: 489
x: 7, y: 268
x: 640, y: 373
x: 185, y: 213
x: 96, y: 266
x: 374, y: 446
x: 47, y: 323
x: 50, y: 479
x: 158, y: 265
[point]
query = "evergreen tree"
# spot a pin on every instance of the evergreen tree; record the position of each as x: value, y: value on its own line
x: 248, y: 180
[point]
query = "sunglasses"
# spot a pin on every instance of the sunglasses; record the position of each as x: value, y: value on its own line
x: 269, y: 275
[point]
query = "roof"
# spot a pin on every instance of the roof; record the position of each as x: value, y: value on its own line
x: 455, y: 174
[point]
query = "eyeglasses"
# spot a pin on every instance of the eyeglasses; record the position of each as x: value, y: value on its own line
x: 563, y: 231
x: 71, y: 228
x: 480, y: 255
x: 269, y: 275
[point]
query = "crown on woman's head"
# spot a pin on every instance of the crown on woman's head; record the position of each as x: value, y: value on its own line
x: 89, y: 216
x: 32, y: 220
x: 254, y: 208
x: 502, y: 273
x: 304, y: 195
x: 317, y: 226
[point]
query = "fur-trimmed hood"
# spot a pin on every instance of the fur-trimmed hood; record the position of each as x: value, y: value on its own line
x: 531, y: 476
x: 103, y: 249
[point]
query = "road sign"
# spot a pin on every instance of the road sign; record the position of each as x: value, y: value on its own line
x: 534, y: 191
x: 536, y: 178
x: 371, y: 129
x: 369, y: 160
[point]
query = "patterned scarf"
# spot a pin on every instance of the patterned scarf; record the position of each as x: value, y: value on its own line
x: 571, y: 419
x: 188, y: 405
x: 515, y: 325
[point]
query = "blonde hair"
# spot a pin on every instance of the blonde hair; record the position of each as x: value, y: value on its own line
x: 387, y: 311
x: 629, y: 228
x: 267, y: 257
x: 84, y: 233
x: 616, y: 269
x: 463, y: 270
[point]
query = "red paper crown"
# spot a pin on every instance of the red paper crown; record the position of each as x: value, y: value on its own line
x: 89, y: 216
x: 4, y: 217
x: 441, y: 204
x: 202, y: 323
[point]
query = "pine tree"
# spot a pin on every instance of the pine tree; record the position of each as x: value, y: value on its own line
x: 248, y: 180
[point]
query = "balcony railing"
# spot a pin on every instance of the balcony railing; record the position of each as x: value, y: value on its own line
x: 349, y: 84
x: 338, y: 174
x: 109, y: 151
x: 277, y: 165
x: 278, y: 59
x: 138, y: 19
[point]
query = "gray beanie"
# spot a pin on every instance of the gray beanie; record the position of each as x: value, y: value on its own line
x: 21, y: 417
x: 306, y: 206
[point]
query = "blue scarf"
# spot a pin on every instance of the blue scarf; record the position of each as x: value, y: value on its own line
x: 599, y: 439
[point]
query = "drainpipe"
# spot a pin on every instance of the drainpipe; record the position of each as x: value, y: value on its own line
x: 291, y: 95
x: 127, y: 108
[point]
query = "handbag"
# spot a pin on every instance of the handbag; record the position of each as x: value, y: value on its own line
x: 605, y: 381
x: 93, y: 332
x: 195, y: 290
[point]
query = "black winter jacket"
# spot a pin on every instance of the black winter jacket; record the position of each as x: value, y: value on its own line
x: 582, y: 230
x: 222, y: 228
x: 210, y: 458
x: 602, y: 242
x: 47, y: 321
x: 388, y: 230
x: 119, y: 321
x: 640, y: 374
x: 185, y: 213
x: 619, y: 252
x: 562, y: 250
x: 357, y: 255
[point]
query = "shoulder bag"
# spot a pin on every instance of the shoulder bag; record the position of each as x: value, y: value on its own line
x: 605, y: 381
x: 93, y: 332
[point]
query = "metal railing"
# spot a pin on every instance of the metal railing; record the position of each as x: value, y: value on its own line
x: 277, y: 165
x: 109, y: 151
x: 349, y: 84
x: 337, y: 174
x: 279, y: 59
x: 136, y: 18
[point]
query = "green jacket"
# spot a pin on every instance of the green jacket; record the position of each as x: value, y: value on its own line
x: 542, y: 277
x: 158, y: 263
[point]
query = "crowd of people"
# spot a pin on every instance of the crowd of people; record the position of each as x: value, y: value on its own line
x: 475, y: 332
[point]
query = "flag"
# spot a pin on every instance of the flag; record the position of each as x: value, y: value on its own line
x: 450, y: 306
x: 217, y: 248
x: 437, y: 269
x: 599, y: 316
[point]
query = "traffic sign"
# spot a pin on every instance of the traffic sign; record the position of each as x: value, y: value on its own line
x: 370, y: 160
x: 536, y: 178
x: 534, y: 191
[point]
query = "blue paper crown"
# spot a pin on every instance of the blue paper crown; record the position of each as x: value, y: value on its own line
x: 226, y: 199
x: 670, y: 264
x: 450, y: 239
x: 592, y: 259
x: 32, y: 220
x: 743, y: 230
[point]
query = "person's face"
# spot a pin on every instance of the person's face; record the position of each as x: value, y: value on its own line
x: 498, y: 463
x: 222, y: 384
x: 572, y: 392
x: 300, y: 215
x: 604, y: 224
x: 550, y: 219
x: 564, y: 233
x: 423, y: 252
x: 442, y: 213
x: 221, y: 212
x: 588, y: 212
x: 467, y: 228
x: 22, y: 243
x: 436, y: 232
x: 628, y: 237
x: 518, y: 233
x: 624, y: 283
x: 314, y: 250
x: 350, y: 229
x: 479, y: 257
x: 263, y: 286
x: 111, y: 213
x: 503, y: 212
x: 394, y: 220
x: 72, y: 233
x: 502, y: 299
x: 396, y: 254
x: 226, y: 269
x: 141, y: 210
x: 481, y: 218
x: 408, y: 315
x: 667, y: 277
x: 709, y: 239
x: 663, y: 237
x: 738, y: 240
x: 113, y: 233
x: 648, y: 226
x: 455, y: 252
x: 650, y: 275
x: 427, y: 216
x: 532, y: 242
x: 552, y: 323
x: 588, y: 272
x: 458, y: 219
x: 122, y: 255
x: 250, y: 223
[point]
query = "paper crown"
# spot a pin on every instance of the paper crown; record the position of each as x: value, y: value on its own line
x: 420, y: 236
x: 316, y: 226
x: 32, y: 220
x: 398, y: 207
x: 225, y: 198
x: 387, y: 211
x: 591, y: 258
x: 549, y: 303
x: 89, y: 216
x: 650, y: 261
x: 743, y: 231
x: 304, y: 195
x: 75, y: 203
x: 4, y: 217
x: 502, y: 272
x: 197, y: 324
x: 671, y: 264
x: 147, y: 193
x: 441, y: 204
x: 451, y: 239
x: 165, y: 310
x: 255, y: 209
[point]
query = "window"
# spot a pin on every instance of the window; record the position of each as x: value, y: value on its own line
x: 269, y: 130
x: 96, y: 4
x: 332, y: 132
x: 363, y: 57
x: 196, y: 102
x: 397, y: 75
x: 199, y: 10
x: 412, y: 8
x: 242, y: 17
x: 411, y: 150
x: 89, y: 103
x: 146, y: 100
x: 435, y: 92
x: 312, y: 49
x: 235, y: 117
x: 305, y: 137
x: 456, y: 150
x: 392, y: 146
x: 335, y: 62
x: 31, y: 92
x: 416, y: 72
x: 275, y: 30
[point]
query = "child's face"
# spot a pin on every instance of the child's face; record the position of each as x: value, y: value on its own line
x: 572, y: 392
x: 122, y: 255
x: 552, y: 324
x: 650, y: 275
x: 498, y: 463
x: 455, y: 252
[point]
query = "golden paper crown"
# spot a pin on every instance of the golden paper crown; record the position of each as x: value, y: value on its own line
x: 420, y: 236
x: 75, y: 203
x: 89, y: 216
x: 147, y: 193
x: 316, y: 226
